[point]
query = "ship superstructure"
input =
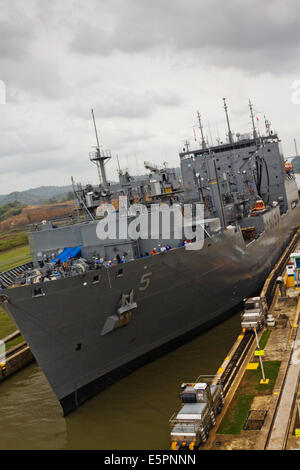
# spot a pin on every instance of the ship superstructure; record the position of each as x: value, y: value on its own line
x: 94, y: 314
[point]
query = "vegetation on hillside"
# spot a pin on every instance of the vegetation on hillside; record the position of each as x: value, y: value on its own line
x: 10, y: 209
x: 12, y: 239
x: 62, y: 198
x: 36, y: 196
x: 34, y: 215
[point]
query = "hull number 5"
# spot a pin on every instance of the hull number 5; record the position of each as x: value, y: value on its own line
x: 145, y: 279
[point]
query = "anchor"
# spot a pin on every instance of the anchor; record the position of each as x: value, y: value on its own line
x: 127, y: 303
x: 123, y: 316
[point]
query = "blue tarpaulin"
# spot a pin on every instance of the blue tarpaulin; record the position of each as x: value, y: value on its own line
x: 68, y: 253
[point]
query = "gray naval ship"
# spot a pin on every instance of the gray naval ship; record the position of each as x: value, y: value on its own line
x: 94, y: 310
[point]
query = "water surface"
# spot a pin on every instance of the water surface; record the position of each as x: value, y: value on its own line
x: 132, y: 414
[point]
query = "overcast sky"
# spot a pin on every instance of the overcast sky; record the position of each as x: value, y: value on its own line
x: 145, y: 67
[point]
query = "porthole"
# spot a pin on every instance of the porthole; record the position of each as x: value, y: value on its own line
x: 96, y: 279
x: 120, y: 273
x: 38, y: 292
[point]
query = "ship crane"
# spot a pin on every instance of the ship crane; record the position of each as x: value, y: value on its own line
x: 152, y: 167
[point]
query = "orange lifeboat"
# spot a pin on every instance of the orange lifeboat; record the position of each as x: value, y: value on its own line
x: 288, y: 166
x: 259, y: 207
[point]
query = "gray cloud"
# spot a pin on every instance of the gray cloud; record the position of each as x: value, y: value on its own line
x: 252, y: 34
x: 14, y: 39
x: 145, y: 67
x: 125, y: 103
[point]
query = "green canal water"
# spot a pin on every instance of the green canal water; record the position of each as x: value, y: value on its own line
x: 132, y: 414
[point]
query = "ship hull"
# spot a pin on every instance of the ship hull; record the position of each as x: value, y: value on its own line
x: 178, y: 294
x: 80, y: 396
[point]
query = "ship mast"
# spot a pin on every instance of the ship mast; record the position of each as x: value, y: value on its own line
x: 252, y: 119
x: 99, y: 158
x: 228, y: 125
x: 201, y: 130
x: 187, y: 144
x: 296, y: 150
